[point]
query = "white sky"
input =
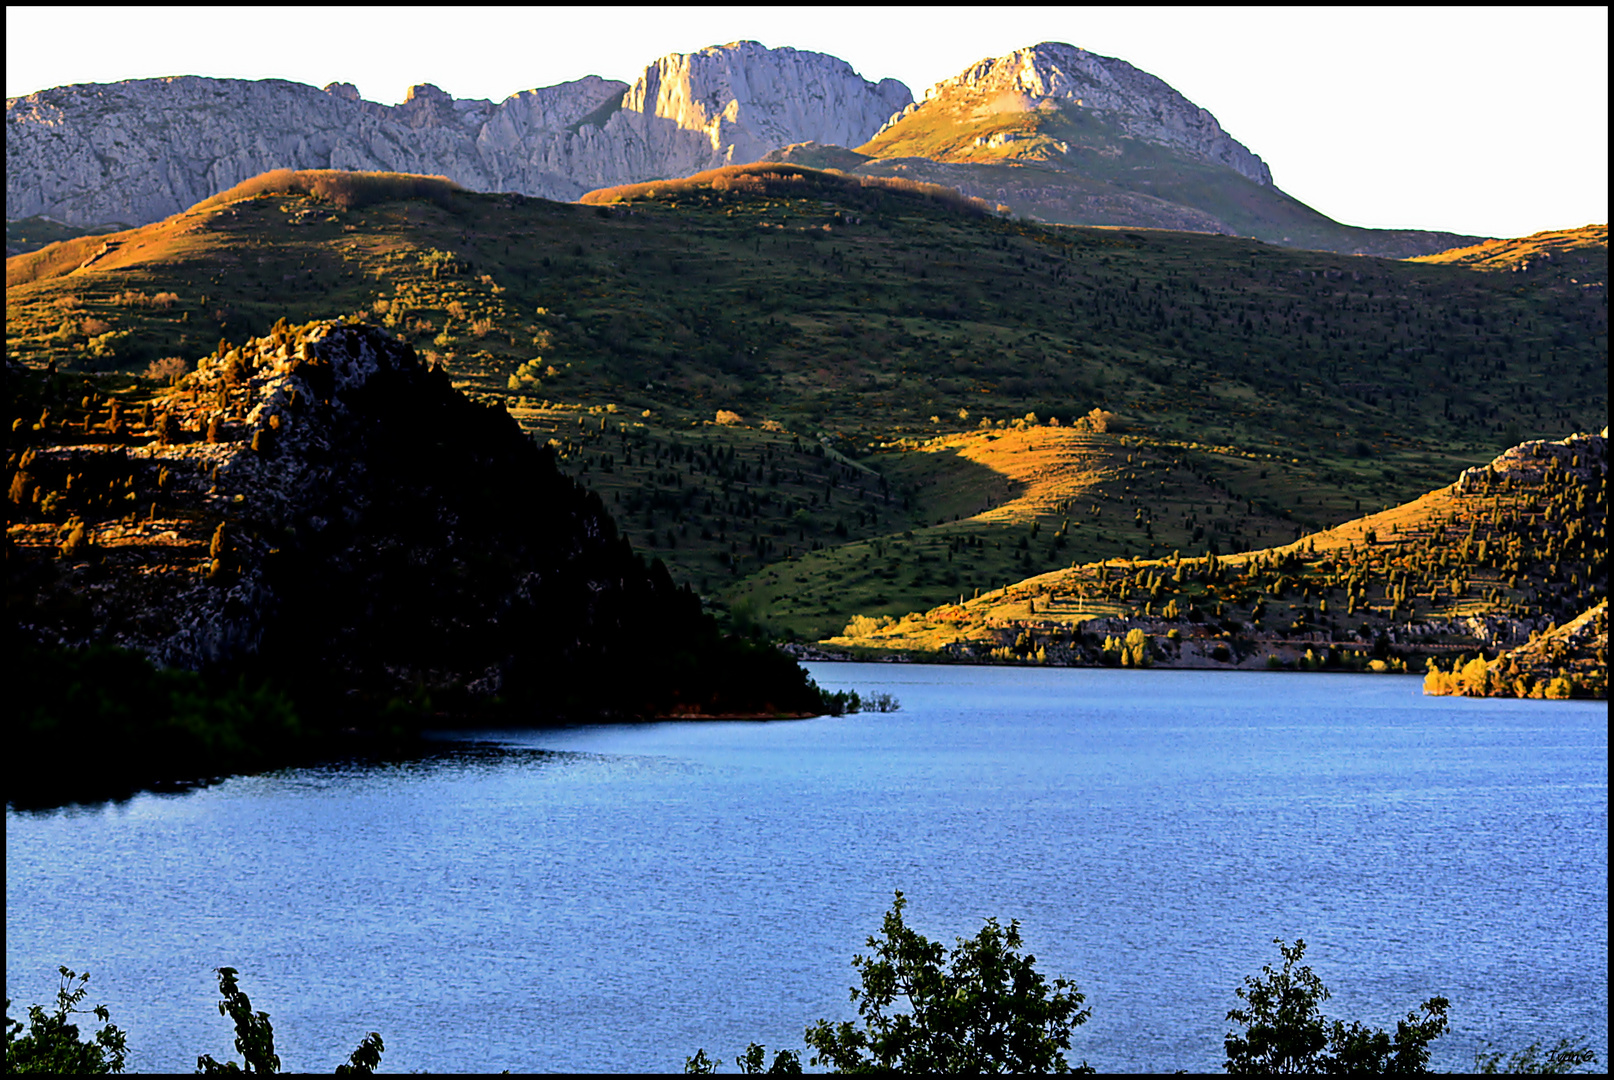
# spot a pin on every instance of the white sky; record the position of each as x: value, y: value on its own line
x: 1483, y: 120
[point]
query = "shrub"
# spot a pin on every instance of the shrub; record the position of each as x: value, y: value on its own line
x: 1285, y: 1030
x: 167, y: 369
x: 1566, y: 1057
x: 105, y: 346
x: 1096, y: 421
x: 981, y: 1007
x: 77, y: 544
x: 52, y: 1044
x: 866, y: 626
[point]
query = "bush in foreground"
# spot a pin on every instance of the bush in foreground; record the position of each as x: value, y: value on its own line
x: 1285, y: 1030
x: 52, y: 1044
x: 983, y: 1008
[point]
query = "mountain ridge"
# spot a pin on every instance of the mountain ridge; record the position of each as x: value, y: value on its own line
x: 83, y: 153
x: 1048, y: 131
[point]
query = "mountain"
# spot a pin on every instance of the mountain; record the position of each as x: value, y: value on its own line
x: 1488, y: 563
x: 1049, y: 131
x: 319, y: 507
x: 771, y: 374
x: 137, y: 151
x: 1000, y: 108
x: 1071, y: 137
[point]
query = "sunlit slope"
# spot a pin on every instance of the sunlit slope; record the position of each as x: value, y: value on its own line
x: 1565, y: 256
x: 850, y: 309
x: 1480, y: 564
x: 996, y: 506
x: 1070, y: 165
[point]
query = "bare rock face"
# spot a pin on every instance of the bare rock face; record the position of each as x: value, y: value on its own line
x: 137, y: 151
x: 1142, y: 105
x: 746, y: 100
x: 1583, y: 456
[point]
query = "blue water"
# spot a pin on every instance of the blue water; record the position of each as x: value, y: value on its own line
x: 613, y: 898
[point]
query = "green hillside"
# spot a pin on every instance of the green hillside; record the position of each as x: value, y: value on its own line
x: 1510, y: 549
x: 843, y: 326
x: 33, y: 233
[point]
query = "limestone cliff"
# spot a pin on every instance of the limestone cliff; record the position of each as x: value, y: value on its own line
x: 134, y: 152
x: 137, y: 151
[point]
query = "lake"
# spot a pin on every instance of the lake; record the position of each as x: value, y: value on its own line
x: 612, y: 898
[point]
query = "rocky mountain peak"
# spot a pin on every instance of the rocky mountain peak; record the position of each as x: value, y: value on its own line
x: 1144, y: 106
x: 747, y: 99
x: 134, y: 152
x: 426, y: 92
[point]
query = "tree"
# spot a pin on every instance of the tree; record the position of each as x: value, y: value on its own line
x: 1286, y: 1032
x: 52, y: 1044
x: 254, y: 1035
x: 1566, y: 1057
x: 168, y: 429
x: 785, y: 1062
x: 255, y: 1038
x: 984, y: 1008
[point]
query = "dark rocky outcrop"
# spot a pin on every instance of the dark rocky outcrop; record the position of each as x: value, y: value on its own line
x: 319, y: 508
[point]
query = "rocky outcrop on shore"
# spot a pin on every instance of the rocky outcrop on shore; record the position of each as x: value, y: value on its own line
x: 1559, y: 662
x: 319, y: 505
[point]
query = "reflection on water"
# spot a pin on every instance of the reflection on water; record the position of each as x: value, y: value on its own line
x: 614, y: 897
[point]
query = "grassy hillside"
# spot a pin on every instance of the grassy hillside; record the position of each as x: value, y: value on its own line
x: 1564, y: 256
x: 841, y: 327
x: 1074, y: 166
x: 33, y: 233
x: 1509, y: 549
